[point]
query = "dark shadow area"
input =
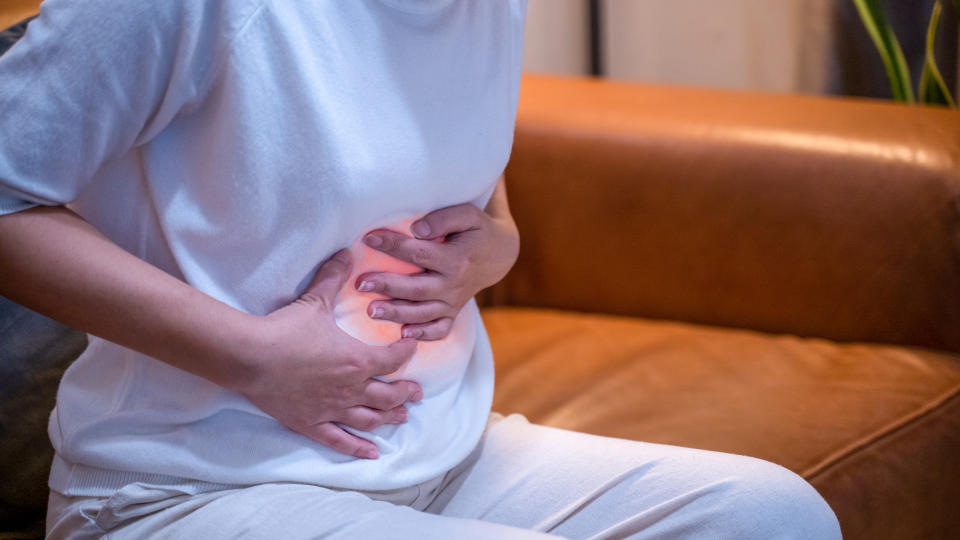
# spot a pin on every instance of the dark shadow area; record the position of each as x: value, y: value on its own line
x: 856, y: 68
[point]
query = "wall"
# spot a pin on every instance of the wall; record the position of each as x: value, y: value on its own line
x: 814, y: 46
x: 557, y: 38
x: 776, y: 45
x: 750, y: 44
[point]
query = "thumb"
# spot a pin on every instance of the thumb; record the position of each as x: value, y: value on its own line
x: 329, y: 278
x: 449, y: 220
x: 386, y: 360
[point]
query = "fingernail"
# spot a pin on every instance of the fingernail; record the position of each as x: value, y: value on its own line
x: 369, y: 453
x: 402, y: 415
x: 421, y: 229
x: 376, y: 312
x: 343, y: 255
x: 365, y: 286
x: 412, y: 333
x: 417, y: 396
x: 373, y: 240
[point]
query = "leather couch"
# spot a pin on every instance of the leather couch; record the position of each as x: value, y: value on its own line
x: 770, y: 275
x: 13, y: 11
x: 777, y: 276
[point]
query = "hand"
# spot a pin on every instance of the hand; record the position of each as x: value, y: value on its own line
x: 311, y: 375
x: 462, y: 251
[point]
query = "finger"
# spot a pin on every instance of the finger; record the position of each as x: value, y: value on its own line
x: 449, y: 220
x: 407, y: 312
x: 385, y: 360
x: 385, y: 396
x: 366, y: 419
x: 335, y: 438
x: 329, y: 278
x: 423, y: 253
x: 430, y: 331
x: 397, y: 415
x: 416, y: 287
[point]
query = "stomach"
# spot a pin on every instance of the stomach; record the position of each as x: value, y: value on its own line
x: 436, y: 364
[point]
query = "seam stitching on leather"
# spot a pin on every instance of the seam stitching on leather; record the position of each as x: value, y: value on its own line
x: 883, y: 433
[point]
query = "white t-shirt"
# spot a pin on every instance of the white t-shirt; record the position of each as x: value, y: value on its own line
x: 236, y: 144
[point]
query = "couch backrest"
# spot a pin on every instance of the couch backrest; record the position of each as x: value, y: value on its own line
x: 12, y: 11
x: 811, y: 216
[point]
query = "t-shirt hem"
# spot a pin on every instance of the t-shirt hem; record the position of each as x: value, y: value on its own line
x: 74, y: 480
x: 12, y: 206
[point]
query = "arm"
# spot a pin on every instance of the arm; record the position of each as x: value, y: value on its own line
x: 54, y: 262
x: 294, y: 364
x: 499, y: 208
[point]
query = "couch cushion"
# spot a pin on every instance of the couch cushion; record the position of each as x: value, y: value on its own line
x: 34, y: 352
x: 875, y: 428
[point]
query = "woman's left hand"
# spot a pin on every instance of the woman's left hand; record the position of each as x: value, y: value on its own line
x: 462, y: 251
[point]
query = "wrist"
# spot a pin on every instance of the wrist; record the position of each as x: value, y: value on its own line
x: 508, y: 240
x: 241, y: 351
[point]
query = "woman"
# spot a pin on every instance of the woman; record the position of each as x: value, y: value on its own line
x: 212, y: 154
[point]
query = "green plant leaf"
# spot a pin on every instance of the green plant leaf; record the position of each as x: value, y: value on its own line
x: 933, y: 89
x: 871, y: 12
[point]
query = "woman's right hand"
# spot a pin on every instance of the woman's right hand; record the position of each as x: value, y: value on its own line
x: 310, y: 375
x: 295, y: 364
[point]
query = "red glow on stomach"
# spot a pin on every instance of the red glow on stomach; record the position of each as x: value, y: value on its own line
x: 434, y: 361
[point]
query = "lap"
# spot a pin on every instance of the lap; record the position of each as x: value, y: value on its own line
x: 577, y: 485
x: 522, y: 481
x: 289, y: 511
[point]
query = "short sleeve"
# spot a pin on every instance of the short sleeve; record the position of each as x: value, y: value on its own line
x: 92, y: 80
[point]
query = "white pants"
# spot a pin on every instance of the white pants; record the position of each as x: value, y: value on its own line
x: 522, y: 481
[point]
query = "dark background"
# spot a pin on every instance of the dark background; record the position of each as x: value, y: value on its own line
x: 858, y: 70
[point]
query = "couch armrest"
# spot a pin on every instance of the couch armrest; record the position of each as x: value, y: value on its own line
x: 803, y: 215
x: 12, y: 11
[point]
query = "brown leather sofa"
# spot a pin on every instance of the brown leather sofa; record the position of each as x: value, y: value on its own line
x: 12, y: 11
x: 770, y: 275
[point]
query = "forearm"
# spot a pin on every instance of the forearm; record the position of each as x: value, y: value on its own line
x: 54, y: 262
x: 497, y: 207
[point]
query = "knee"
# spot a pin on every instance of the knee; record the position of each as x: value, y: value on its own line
x: 765, y: 500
